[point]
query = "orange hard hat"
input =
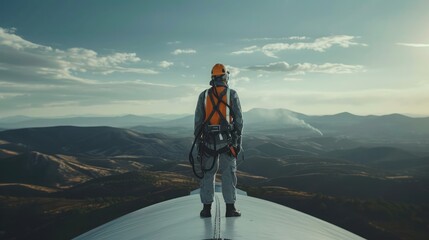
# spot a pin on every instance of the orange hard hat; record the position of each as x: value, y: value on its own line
x: 218, y: 70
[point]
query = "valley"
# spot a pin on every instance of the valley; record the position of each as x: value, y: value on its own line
x: 57, y: 182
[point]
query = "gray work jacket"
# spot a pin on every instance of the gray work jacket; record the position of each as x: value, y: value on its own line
x: 200, y: 112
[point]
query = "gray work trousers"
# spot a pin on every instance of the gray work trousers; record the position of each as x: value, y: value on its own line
x: 227, y: 166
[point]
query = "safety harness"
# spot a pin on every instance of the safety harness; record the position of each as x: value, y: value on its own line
x: 208, y: 133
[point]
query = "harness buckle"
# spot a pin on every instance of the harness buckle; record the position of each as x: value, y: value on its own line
x: 213, y: 128
x: 220, y: 128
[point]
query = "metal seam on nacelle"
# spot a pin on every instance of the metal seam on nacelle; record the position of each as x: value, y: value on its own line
x: 216, y: 233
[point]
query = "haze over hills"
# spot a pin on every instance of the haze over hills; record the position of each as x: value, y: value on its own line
x: 392, y: 130
x: 258, y: 120
x: 119, y: 121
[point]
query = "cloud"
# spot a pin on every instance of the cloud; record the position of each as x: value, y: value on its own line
x: 319, y: 45
x: 332, y: 68
x: 165, y: 64
x: 275, y: 39
x: 233, y: 71
x: 298, y: 38
x: 416, y: 45
x: 34, y: 77
x: 183, y: 51
x: 246, y: 50
x: 129, y: 70
x: 10, y: 39
x: 25, y: 61
x: 174, y: 42
x: 292, y: 79
x: 302, y: 68
x: 84, y: 60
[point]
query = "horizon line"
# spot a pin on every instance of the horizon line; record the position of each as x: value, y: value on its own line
x: 180, y: 115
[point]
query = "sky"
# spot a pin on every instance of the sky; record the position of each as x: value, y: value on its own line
x: 106, y: 57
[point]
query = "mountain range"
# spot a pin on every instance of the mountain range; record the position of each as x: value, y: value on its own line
x: 332, y: 167
x: 256, y: 120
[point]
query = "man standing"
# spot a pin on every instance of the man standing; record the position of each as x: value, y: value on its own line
x: 218, y: 126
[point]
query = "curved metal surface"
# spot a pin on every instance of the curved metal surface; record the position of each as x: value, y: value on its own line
x: 179, y: 219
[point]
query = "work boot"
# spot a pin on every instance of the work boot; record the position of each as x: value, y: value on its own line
x: 205, y: 213
x: 231, y: 211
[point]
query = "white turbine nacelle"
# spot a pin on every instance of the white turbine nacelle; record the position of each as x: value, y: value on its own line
x: 179, y: 219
